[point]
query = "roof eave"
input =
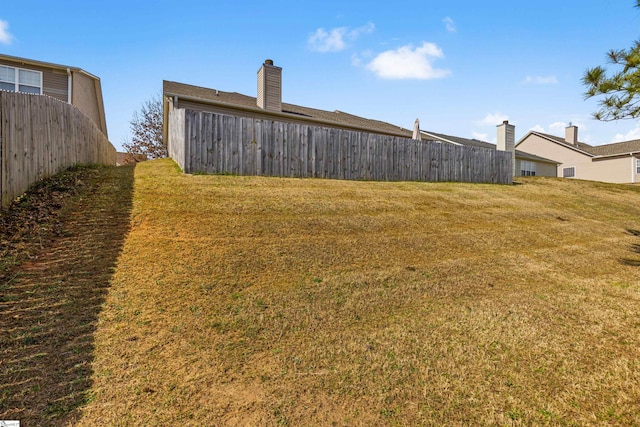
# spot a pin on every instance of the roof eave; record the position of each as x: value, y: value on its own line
x: 27, y: 61
x: 627, y: 153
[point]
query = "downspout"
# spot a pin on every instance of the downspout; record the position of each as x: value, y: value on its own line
x: 633, y: 169
x: 68, y: 85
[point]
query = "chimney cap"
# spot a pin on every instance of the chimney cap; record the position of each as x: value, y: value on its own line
x: 268, y: 62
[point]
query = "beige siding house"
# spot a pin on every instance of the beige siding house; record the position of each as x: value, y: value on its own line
x: 616, y: 163
x: 68, y: 84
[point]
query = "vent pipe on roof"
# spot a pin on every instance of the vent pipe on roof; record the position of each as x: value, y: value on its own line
x: 270, y: 87
x: 571, y: 134
x: 507, y: 141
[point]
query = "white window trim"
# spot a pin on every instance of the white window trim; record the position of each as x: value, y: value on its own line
x: 528, y: 166
x: 569, y: 167
x: 16, y: 78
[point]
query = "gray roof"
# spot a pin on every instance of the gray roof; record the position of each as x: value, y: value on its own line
x: 617, y: 148
x: 483, y: 144
x: 614, y: 149
x: 337, y: 118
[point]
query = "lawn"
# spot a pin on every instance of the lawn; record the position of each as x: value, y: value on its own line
x: 276, y: 301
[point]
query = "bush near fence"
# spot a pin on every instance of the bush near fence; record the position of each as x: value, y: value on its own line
x: 41, y: 136
x: 215, y: 143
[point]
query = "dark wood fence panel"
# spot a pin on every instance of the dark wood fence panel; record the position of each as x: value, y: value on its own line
x: 41, y: 136
x: 214, y: 143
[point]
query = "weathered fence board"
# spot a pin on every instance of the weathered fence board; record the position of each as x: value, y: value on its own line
x: 40, y: 136
x: 215, y: 143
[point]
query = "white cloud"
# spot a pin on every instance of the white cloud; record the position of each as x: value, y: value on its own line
x: 538, y: 128
x: 557, y: 126
x: 480, y: 136
x: 335, y: 40
x: 357, y: 59
x: 540, y: 80
x: 629, y: 136
x: 450, y: 25
x: 492, y: 119
x: 408, y: 62
x: 323, y: 41
x: 5, y: 36
x: 368, y: 28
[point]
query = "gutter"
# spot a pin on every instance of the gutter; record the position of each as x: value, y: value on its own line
x: 69, y: 80
x: 628, y: 153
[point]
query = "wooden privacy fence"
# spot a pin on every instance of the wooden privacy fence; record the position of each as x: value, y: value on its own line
x: 215, y: 143
x: 41, y: 136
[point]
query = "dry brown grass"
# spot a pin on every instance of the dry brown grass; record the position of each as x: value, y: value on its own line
x: 270, y: 301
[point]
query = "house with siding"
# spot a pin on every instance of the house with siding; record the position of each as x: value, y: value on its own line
x: 615, y: 163
x: 65, y: 83
x: 268, y: 105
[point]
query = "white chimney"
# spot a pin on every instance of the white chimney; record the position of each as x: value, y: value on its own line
x: 270, y: 87
x: 507, y: 141
x: 571, y: 134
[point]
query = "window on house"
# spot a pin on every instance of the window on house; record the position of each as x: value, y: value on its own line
x: 637, y: 165
x: 569, y: 172
x: 20, y: 80
x: 527, y: 168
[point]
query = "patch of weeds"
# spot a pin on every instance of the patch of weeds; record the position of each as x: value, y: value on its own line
x: 545, y: 413
x: 515, y: 414
x: 29, y: 340
x: 89, y: 396
x: 317, y: 280
x: 280, y: 417
x: 621, y: 285
x: 388, y: 413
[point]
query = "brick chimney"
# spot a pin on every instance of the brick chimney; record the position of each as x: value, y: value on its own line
x: 507, y: 141
x: 571, y: 134
x: 270, y: 87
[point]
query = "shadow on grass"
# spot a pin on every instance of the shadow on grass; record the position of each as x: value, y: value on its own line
x: 635, y: 248
x: 49, y: 305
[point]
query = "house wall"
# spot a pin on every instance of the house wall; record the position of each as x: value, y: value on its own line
x: 542, y: 168
x: 84, y: 95
x: 55, y: 82
x: 619, y: 170
x: 567, y: 157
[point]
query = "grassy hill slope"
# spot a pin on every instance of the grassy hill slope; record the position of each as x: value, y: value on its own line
x: 270, y: 301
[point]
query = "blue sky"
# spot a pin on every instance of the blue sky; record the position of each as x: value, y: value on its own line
x: 461, y: 67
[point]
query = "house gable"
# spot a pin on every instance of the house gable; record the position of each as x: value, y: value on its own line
x: 67, y: 84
